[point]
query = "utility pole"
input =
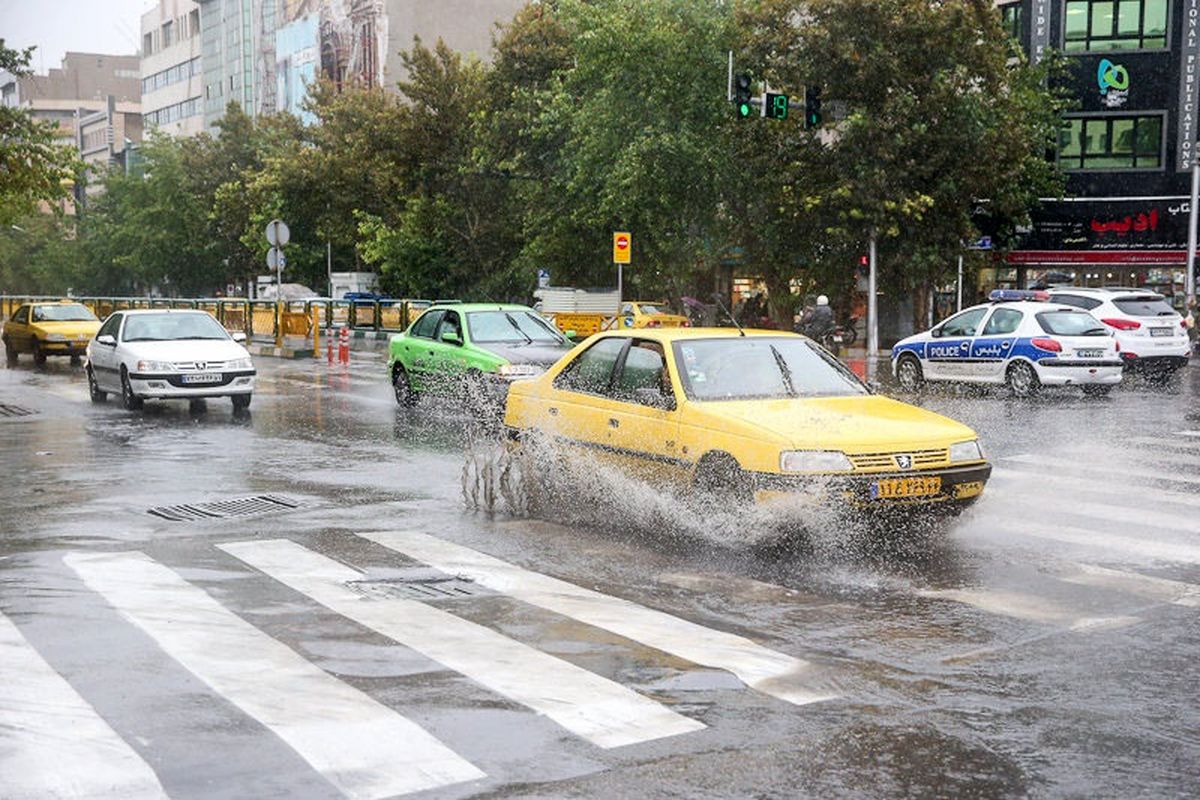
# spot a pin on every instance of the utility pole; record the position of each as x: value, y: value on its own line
x: 872, y: 313
x: 1189, y: 280
x: 958, y: 306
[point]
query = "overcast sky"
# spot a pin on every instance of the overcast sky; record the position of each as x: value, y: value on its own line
x: 56, y: 26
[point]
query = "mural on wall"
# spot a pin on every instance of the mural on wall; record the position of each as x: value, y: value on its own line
x: 343, y: 40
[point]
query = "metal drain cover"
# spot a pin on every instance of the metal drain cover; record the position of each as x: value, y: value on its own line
x: 7, y: 410
x: 423, y: 587
x: 222, y: 509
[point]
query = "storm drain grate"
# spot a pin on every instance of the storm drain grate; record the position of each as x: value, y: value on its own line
x: 222, y: 509
x: 7, y: 410
x: 442, y: 588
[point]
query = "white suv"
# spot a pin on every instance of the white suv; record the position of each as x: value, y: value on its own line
x: 1151, y: 333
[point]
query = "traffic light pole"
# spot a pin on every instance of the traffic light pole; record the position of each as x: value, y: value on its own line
x: 872, y: 314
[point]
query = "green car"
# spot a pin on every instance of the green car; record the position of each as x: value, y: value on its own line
x: 472, y: 351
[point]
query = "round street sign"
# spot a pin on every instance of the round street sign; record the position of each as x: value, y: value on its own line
x: 278, y: 233
x: 276, y: 259
x: 621, y: 247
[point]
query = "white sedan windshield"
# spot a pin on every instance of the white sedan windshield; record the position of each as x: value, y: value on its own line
x: 171, y: 327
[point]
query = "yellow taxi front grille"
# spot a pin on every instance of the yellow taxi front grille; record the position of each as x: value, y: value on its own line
x: 881, y: 462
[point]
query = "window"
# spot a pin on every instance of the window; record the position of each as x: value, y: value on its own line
x: 1086, y: 303
x: 592, y: 371
x: 1115, y: 25
x: 450, y: 324
x: 1003, y: 322
x: 1111, y: 143
x: 425, y: 326
x: 645, y: 367
x: 517, y: 327
x: 147, y: 44
x: 760, y: 367
x: 110, y: 326
x: 194, y: 22
x: 1070, y: 323
x: 168, y: 29
x: 964, y: 324
x: 1145, y: 306
x: 1010, y: 20
x: 22, y: 315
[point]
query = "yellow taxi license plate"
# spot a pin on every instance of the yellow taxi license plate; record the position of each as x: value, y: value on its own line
x: 892, y: 488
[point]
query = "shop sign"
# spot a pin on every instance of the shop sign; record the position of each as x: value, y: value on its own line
x: 1113, y: 80
x: 1188, y: 84
x: 1109, y: 225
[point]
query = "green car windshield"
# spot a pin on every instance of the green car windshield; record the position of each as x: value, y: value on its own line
x: 510, y: 327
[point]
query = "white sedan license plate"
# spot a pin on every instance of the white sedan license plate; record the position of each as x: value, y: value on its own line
x: 1090, y: 353
x: 1161, y: 331
x: 203, y: 377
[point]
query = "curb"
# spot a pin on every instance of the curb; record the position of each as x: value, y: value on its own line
x: 270, y: 351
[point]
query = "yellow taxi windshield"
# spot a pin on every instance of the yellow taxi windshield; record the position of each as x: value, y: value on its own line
x: 760, y: 368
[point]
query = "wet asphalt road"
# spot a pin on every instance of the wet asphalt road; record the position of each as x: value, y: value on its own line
x: 1045, y: 644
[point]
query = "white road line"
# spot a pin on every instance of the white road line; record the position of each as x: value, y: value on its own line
x: 1126, y: 545
x: 52, y: 743
x: 1148, y: 586
x: 768, y: 671
x: 1171, y: 442
x: 1010, y: 604
x: 1031, y: 481
x: 1113, y: 475
x: 601, y: 711
x: 1108, y: 515
x: 359, y: 745
x: 1192, y: 434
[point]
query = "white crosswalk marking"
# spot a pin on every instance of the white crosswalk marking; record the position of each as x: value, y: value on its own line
x: 1192, y: 434
x: 52, y: 743
x: 362, y: 747
x: 1019, y: 606
x: 1070, y: 467
x: 1139, y: 516
x: 768, y: 671
x: 1139, y: 547
x: 1056, y: 484
x: 603, y: 712
x: 1148, y: 586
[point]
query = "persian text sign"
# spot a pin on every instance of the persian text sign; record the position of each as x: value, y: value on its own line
x: 1188, y: 84
x: 1039, y: 30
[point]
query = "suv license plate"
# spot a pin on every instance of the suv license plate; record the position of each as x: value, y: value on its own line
x: 203, y: 377
x: 1161, y: 331
x: 892, y: 488
x: 1090, y: 353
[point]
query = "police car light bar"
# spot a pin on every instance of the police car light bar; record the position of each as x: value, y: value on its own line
x: 1010, y: 295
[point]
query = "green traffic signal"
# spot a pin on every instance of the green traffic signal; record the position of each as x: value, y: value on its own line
x: 741, y: 95
x: 743, y: 110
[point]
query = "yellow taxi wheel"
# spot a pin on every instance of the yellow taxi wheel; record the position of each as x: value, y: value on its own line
x: 39, y: 355
x: 719, y: 477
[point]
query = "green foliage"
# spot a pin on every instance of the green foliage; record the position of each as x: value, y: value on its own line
x: 34, y: 167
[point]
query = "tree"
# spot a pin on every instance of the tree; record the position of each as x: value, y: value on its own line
x: 34, y: 167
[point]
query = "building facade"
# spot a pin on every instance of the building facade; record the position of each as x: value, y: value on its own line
x: 264, y: 54
x: 171, y: 68
x: 93, y: 99
x: 1127, y: 147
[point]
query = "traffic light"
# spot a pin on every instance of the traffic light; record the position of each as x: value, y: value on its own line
x: 812, y: 106
x: 775, y: 106
x: 741, y: 95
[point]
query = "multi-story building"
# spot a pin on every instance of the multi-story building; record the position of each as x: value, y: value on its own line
x: 1127, y: 148
x: 171, y: 69
x: 263, y: 54
x: 93, y: 99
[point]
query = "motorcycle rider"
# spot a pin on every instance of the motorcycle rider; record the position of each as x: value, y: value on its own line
x: 820, y: 320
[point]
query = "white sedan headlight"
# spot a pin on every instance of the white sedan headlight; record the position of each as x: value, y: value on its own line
x: 155, y: 366
x: 966, y: 451
x: 813, y: 461
x: 519, y: 370
x: 240, y: 363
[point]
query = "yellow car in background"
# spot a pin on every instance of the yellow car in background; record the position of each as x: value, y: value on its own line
x: 642, y: 314
x: 746, y: 417
x: 44, y: 329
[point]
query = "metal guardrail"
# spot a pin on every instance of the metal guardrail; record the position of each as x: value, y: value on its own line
x: 258, y: 318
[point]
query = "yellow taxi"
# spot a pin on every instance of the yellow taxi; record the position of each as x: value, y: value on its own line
x: 59, y: 328
x: 746, y: 416
x: 642, y: 314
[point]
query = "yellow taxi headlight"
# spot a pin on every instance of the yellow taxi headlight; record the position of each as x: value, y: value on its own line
x: 966, y: 451
x: 814, y: 461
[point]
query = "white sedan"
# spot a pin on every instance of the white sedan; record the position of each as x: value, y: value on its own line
x: 168, y: 354
x: 1018, y: 339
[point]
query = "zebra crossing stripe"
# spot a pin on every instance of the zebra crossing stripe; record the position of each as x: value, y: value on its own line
x: 1109, y: 514
x: 768, y: 671
x: 603, y: 712
x: 1031, y: 482
x: 1148, y: 586
x: 1191, y: 434
x: 359, y: 745
x: 52, y: 742
x: 1071, y: 467
x: 1138, y: 547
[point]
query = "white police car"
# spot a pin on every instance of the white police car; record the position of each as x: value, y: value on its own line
x: 1018, y: 339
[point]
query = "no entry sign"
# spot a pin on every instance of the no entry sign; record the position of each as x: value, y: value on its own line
x: 622, y: 246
